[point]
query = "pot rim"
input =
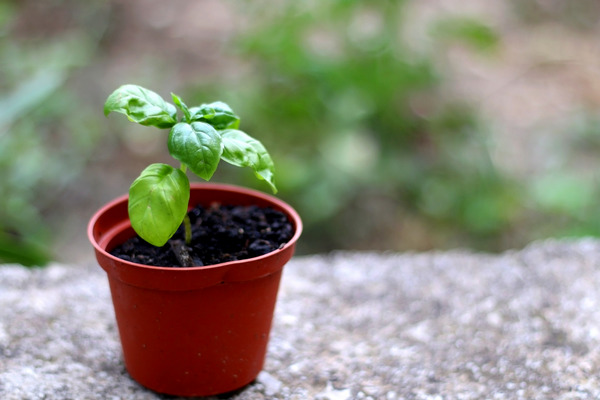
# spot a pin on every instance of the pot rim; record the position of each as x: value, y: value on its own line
x: 286, y: 208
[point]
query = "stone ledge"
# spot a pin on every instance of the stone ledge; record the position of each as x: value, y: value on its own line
x: 440, y: 325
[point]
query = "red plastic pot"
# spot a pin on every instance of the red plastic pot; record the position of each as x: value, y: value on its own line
x: 193, y: 331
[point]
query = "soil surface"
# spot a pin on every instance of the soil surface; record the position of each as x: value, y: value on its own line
x: 220, y: 233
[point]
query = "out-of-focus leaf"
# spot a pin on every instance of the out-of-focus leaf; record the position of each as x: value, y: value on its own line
x: 467, y: 30
x: 28, y: 94
x: 23, y: 250
x: 564, y: 193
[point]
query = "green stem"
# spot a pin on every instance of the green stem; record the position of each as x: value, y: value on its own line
x: 188, y: 116
x: 187, y: 224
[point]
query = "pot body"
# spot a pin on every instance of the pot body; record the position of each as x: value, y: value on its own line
x: 193, y: 331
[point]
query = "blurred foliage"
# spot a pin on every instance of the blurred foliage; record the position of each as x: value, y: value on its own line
x: 579, y: 15
x: 365, y: 138
x: 566, y: 194
x: 46, y: 134
x: 370, y: 143
x: 467, y: 30
x: 563, y: 196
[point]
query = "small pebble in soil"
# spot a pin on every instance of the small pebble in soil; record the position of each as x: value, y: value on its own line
x: 220, y: 233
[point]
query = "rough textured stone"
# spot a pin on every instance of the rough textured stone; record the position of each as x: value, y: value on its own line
x: 442, y: 325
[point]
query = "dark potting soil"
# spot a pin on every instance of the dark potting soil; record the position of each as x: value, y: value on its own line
x: 220, y: 233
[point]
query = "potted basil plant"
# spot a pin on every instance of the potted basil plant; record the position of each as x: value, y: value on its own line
x: 200, y: 325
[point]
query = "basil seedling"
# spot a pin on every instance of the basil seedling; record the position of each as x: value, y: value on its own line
x: 204, y: 135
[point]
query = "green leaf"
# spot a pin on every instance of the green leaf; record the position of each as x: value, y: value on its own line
x: 158, y: 202
x: 198, y: 146
x: 242, y: 150
x: 217, y: 114
x: 179, y: 103
x: 142, y: 106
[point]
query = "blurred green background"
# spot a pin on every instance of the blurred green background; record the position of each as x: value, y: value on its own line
x: 394, y: 125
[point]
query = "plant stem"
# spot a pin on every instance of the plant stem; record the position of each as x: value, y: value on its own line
x: 187, y: 224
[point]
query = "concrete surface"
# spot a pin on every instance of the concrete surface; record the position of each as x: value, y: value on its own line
x: 441, y: 325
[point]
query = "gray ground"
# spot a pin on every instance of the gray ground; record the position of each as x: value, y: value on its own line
x: 441, y: 325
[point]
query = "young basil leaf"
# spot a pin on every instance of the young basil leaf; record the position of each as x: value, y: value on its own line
x: 142, y: 106
x: 197, y: 145
x: 179, y: 103
x: 158, y: 202
x: 242, y: 150
x: 218, y: 114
